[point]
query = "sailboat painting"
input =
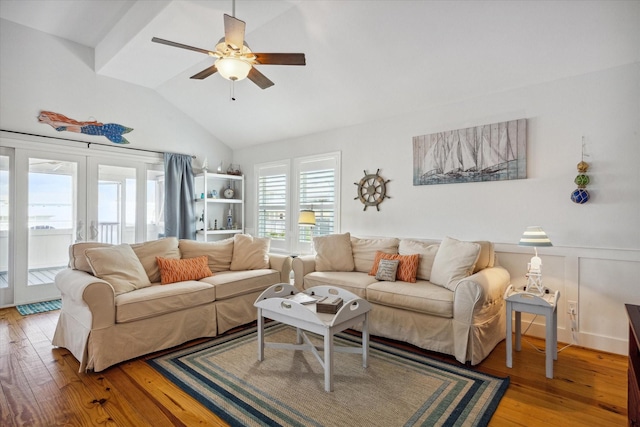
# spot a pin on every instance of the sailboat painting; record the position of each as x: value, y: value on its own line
x: 494, y: 152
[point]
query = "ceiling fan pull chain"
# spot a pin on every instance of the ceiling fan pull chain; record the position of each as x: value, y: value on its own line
x: 232, y: 90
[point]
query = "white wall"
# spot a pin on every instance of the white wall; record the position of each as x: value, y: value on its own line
x: 596, y: 255
x: 43, y: 72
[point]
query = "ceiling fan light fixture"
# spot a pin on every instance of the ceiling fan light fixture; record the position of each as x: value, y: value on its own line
x: 233, y: 69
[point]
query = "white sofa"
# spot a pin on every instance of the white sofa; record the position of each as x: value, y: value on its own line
x: 455, y: 306
x: 115, y: 307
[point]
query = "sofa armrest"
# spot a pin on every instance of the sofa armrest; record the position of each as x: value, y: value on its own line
x: 302, y: 266
x: 478, y: 296
x: 282, y: 263
x: 79, y: 289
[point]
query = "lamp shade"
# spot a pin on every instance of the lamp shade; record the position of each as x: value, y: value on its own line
x: 307, y: 217
x: 233, y: 68
x: 535, y: 236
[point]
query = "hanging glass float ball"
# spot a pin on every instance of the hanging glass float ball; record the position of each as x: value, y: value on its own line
x: 580, y: 196
x: 583, y: 166
x: 582, y: 180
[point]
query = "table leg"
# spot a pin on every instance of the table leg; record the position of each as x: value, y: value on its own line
x: 328, y: 361
x: 298, y: 336
x: 549, y: 344
x: 365, y: 341
x: 260, y: 336
x: 555, y: 334
x: 509, y: 336
x: 518, y: 331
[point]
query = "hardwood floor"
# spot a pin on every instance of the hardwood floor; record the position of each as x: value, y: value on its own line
x: 40, y: 386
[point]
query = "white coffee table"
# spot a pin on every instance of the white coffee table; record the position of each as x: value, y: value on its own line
x: 273, y: 304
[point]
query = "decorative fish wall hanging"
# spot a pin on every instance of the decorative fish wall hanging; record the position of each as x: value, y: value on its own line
x: 60, y: 122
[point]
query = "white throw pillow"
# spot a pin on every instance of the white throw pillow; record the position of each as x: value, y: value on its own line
x: 427, y: 252
x: 250, y: 253
x: 119, y: 266
x: 364, y: 251
x: 455, y: 260
x: 148, y: 251
x: 219, y: 253
x: 333, y: 252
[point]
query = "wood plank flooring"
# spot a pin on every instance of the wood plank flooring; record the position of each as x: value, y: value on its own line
x: 40, y: 386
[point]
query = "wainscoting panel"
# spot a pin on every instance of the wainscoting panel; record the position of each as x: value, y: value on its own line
x: 600, y: 280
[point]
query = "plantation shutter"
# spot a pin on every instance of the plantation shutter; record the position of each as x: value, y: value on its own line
x: 317, y: 191
x: 272, y: 203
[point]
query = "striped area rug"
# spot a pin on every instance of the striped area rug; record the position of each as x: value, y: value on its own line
x: 39, y: 307
x: 399, y: 388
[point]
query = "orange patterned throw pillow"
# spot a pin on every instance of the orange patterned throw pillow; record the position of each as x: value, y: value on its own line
x: 407, y: 268
x: 179, y: 270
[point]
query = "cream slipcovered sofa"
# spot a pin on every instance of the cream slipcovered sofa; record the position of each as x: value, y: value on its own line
x: 455, y: 306
x: 115, y: 308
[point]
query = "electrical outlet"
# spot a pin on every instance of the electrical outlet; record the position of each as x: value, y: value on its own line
x: 572, y: 308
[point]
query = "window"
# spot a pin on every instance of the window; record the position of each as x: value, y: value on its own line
x: 314, y: 185
x: 272, y: 203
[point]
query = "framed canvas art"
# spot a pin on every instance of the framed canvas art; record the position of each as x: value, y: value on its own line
x: 493, y: 152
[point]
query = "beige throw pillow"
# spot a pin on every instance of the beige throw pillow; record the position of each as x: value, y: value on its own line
x: 219, y: 253
x: 387, y: 269
x: 427, y: 252
x: 487, y: 257
x: 455, y: 260
x: 250, y: 253
x: 77, y: 257
x: 148, y: 251
x: 333, y: 252
x: 364, y: 251
x: 119, y: 266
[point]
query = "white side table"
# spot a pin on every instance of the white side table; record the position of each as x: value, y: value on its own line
x: 545, y: 305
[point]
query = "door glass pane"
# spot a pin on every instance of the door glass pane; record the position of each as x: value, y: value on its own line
x: 155, y: 202
x: 116, y: 204
x: 4, y: 222
x: 51, y: 222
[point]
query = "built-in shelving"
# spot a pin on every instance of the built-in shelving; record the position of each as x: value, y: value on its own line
x: 213, y: 208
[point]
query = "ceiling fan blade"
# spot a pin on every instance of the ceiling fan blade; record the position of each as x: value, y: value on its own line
x: 234, y: 31
x: 260, y: 79
x: 205, y: 73
x: 182, y: 46
x: 280, y: 58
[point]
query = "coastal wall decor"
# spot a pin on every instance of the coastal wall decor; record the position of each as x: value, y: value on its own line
x: 60, y: 122
x: 493, y: 152
x: 372, y: 190
x: 580, y: 195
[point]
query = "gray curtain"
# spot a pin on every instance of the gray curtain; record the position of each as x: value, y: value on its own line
x: 179, y: 213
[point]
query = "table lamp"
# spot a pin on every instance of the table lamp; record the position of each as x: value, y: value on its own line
x: 307, y: 218
x: 536, y: 237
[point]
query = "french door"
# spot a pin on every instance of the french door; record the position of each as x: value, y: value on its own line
x: 51, y: 199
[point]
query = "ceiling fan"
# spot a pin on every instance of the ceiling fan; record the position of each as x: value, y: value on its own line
x: 235, y: 60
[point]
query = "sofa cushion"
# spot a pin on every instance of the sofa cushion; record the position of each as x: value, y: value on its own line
x: 157, y: 299
x: 78, y: 259
x: 148, y: 251
x: 364, y: 251
x: 487, y: 257
x: 455, y: 260
x: 407, y: 268
x: 387, y: 269
x: 250, y: 253
x: 333, y: 252
x: 218, y: 253
x: 421, y: 297
x: 233, y: 283
x: 354, y: 282
x: 119, y: 266
x: 180, y: 270
x: 427, y: 252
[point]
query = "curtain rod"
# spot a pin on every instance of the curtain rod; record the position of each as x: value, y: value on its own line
x: 90, y: 143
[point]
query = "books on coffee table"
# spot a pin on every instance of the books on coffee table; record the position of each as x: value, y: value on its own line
x: 303, y: 298
x: 329, y: 305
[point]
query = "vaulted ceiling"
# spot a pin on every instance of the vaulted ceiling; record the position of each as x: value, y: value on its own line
x: 366, y: 60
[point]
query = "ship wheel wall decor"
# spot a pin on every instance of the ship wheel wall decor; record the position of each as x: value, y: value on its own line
x: 372, y: 190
